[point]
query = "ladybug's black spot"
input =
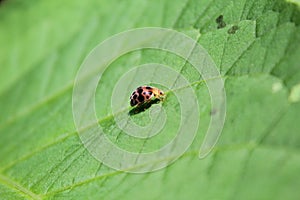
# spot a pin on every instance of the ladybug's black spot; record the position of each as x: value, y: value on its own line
x: 150, y: 92
x: 134, y: 96
x: 140, y: 98
x: 132, y: 102
x: 148, y: 87
x: 144, y: 93
x: 140, y: 90
x: 147, y: 96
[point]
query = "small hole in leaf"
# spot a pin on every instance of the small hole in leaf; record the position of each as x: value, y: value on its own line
x: 220, y: 21
x: 233, y: 29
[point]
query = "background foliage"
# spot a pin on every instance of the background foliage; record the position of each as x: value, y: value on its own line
x: 256, y: 48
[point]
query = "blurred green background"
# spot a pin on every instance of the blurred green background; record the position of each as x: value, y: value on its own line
x: 42, y: 45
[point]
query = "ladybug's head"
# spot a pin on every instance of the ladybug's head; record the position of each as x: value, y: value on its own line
x: 158, y: 94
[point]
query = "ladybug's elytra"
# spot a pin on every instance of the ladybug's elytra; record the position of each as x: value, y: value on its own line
x: 144, y: 94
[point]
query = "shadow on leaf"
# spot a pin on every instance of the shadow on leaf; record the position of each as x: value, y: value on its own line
x: 143, y: 107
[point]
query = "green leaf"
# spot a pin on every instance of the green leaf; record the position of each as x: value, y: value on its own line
x: 43, y: 44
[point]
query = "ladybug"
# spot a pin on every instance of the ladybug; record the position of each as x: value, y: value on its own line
x: 146, y: 94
